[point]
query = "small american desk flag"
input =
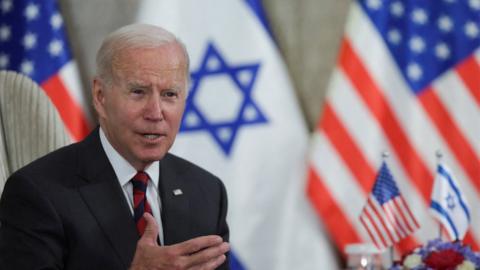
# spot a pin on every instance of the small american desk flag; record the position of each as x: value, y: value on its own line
x: 386, y: 216
x: 33, y: 42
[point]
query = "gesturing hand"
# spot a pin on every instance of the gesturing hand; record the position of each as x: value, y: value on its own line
x: 201, y: 253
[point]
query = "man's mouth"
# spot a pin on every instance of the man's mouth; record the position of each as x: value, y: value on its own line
x: 151, y: 136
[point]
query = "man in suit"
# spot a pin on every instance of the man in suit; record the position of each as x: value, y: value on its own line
x: 118, y: 199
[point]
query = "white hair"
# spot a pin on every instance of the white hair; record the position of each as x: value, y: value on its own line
x: 130, y: 37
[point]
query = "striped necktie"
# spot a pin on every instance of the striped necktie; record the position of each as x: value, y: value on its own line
x: 140, y: 203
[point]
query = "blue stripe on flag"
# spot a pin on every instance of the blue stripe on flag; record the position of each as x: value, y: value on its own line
x: 439, y: 209
x: 235, y: 263
x: 447, y: 176
x: 258, y: 9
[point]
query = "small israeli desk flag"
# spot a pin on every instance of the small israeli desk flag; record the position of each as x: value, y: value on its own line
x: 448, y: 204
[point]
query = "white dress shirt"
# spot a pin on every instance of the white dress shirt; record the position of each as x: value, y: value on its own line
x: 125, y: 172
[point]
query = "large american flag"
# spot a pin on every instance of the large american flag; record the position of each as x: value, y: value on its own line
x: 386, y: 216
x: 407, y: 81
x: 33, y: 42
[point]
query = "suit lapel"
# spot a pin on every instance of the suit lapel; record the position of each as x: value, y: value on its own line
x: 106, y: 200
x: 175, y: 207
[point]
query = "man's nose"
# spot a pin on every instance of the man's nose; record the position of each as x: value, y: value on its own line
x: 154, y: 109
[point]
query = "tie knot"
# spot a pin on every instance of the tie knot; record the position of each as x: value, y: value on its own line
x: 140, y: 181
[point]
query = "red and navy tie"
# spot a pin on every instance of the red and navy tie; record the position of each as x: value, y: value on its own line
x: 140, y: 203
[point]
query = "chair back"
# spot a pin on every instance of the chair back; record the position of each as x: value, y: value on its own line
x: 30, y: 125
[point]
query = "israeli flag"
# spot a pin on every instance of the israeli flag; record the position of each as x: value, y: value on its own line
x: 243, y: 123
x: 448, y: 204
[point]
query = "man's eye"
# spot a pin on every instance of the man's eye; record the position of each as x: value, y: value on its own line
x: 137, y: 91
x: 170, y: 94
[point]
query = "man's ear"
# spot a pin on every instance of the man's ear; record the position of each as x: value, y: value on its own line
x: 98, y: 96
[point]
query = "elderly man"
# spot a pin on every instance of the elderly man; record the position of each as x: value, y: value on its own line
x: 118, y: 199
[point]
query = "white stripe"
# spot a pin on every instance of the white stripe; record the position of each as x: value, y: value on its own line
x: 380, y: 227
x: 381, y: 215
x: 369, y: 227
x: 349, y: 197
x: 461, y: 106
x: 443, y: 221
x: 357, y: 119
x: 409, y: 218
x: 392, y: 211
x: 477, y: 55
x: 70, y: 76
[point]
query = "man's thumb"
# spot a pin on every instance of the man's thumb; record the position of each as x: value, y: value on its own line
x: 150, y: 234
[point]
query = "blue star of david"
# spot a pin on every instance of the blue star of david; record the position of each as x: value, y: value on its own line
x: 450, y: 201
x: 223, y: 132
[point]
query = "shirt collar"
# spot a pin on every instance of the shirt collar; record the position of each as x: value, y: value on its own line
x: 124, y: 170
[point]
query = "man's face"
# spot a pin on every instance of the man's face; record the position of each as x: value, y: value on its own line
x: 141, y: 111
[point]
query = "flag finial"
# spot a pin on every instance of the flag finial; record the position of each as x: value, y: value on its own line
x: 439, y: 154
x: 385, y: 155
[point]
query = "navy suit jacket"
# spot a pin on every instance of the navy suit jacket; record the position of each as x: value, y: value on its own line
x: 67, y: 210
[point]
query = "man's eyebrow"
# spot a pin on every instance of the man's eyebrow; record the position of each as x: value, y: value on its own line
x: 137, y: 85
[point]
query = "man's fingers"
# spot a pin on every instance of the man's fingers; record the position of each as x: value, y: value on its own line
x: 209, y: 255
x: 193, y: 245
x: 150, y: 234
x: 213, y: 264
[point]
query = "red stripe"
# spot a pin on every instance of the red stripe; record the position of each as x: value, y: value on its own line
x: 469, y: 240
x: 375, y: 225
x: 347, y: 148
x: 381, y: 218
x: 469, y: 71
x: 339, y: 226
x: 402, y: 216
x: 370, y: 233
x: 410, y: 214
x: 393, y: 221
x: 72, y: 115
x: 399, y: 226
x: 379, y: 107
x: 457, y: 142
x: 409, y: 242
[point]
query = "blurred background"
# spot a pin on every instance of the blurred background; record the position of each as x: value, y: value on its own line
x: 300, y: 165
x: 308, y: 33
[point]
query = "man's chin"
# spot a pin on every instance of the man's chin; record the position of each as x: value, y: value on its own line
x: 148, y: 159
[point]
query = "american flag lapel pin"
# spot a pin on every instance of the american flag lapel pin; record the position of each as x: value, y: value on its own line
x: 177, y: 192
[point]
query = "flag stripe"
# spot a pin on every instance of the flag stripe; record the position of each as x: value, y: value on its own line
x: 372, y: 231
x: 450, y: 131
x: 377, y: 210
x: 347, y: 148
x: 460, y: 95
x: 411, y: 221
x: 450, y: 226
x: 391, y: 211
x: 71, y: 114
x: 468, y: 71
x: 378, y: 228
x: 325, y: 205
x: 379, y: 107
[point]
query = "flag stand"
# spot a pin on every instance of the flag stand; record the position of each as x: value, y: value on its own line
x: 385, y: 156
x: 439, y: 156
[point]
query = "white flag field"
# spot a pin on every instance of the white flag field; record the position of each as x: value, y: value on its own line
x: 449, y: 205
x: 242, y: 122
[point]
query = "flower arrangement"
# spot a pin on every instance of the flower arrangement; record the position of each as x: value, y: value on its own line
x: 439, y: 255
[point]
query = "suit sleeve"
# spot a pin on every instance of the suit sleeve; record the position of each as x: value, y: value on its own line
x: 223, y: 229
x: 30, y: 230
